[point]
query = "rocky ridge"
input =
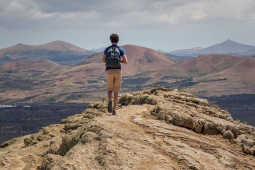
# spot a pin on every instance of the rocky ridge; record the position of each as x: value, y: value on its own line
x: 153, y: 129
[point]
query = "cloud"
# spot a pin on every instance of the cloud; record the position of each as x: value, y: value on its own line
x: 142, y: 17
x: 128, y: 13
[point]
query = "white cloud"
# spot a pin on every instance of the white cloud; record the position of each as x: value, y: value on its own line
x: 90, y: 15
x: 39, y: 15
x: 198, y: 15
x: 142, y: 17
x: 229, y: 10
x: 161, y: 11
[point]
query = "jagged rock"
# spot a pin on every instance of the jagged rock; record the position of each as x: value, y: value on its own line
x: 241, y: 137
x: 49, y: 161
x: 188, y: 123
x: 169, y: 119
x: 8, y: 143
x: 68, y: 142
x: 234, y: 130
x: 247, y: 150
x: 53, y: 149
x: 228, y: 135
x: 230, y: 119
x: 45, y: 131
x: 72, y: 126
x: 248, y: 142
x: 178, y: 121
x: 198, y: 126
x: 210, y: 129
x: 99, y: 106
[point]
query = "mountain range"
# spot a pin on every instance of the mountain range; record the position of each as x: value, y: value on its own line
x: 42, y: 79
x: 226, y: 47
x: 57, y: 51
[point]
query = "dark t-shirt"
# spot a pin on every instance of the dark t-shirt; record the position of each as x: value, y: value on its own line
x: 122, y: 52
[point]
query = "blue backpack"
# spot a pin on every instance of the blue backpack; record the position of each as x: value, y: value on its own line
x: 113, y: 57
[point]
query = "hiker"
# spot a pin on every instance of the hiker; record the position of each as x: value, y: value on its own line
x: 113, y: 57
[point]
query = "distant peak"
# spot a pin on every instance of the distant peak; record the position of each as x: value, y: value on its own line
x: 20, y: 44
x: 161, y: 51
x: 228, y: 40
x: 58, y: 42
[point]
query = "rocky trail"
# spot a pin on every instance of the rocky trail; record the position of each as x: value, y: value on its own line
x: 157, y: 129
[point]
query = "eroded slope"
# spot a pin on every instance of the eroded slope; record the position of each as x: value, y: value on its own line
x: 155, y: 129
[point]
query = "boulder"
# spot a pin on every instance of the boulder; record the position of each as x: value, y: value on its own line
x: 234, y: 130
x: 247, y: 150
x: 248, y: 142
x: 68, y: 142
x: 241, y: 137
x: 198, y: 126
x: 228, y: 135
x: 178, y: 121
x: 49, y: 161
x: 210, y: 129
x: 188, y: 123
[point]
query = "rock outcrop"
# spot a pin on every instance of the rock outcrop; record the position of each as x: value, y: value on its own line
x: 153, y: 129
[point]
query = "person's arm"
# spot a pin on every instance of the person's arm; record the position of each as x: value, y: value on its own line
x: 103, y: 60
x: 124, y: 59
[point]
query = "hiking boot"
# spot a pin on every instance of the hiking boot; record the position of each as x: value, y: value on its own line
x: 113, y: 112
x: 109, y: 108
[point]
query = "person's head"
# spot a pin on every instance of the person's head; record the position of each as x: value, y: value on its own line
x: 114, y: 38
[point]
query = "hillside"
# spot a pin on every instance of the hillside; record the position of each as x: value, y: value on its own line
x: 141, y: 60
x: 226, y: 75
x: 153, y: 129
x: 43, y: 81
x: 209, y: 64
x: 210, y: 75
x: 227, y: 46
x: 28, y: 65
x: 186, y: 51
x: 57, y: 51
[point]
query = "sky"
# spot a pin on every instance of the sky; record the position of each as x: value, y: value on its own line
x: 158, y: 24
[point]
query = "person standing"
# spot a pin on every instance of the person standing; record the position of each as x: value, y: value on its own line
x: 113, y: 57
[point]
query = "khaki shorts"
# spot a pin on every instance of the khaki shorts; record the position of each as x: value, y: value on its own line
x: 113, y: 77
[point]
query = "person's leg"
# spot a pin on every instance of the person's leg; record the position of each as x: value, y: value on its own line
x: 109, y: 106
x: 110, y: 78
x: 116, y: 87
x: 109, y: 95
x: 115, y: 101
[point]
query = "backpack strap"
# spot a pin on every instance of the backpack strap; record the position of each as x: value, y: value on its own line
x: 113, y: 48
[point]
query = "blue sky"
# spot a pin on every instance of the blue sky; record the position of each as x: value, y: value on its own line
x: 158, y: 24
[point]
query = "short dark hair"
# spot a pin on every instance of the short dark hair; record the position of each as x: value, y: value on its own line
x: 114, y: 38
